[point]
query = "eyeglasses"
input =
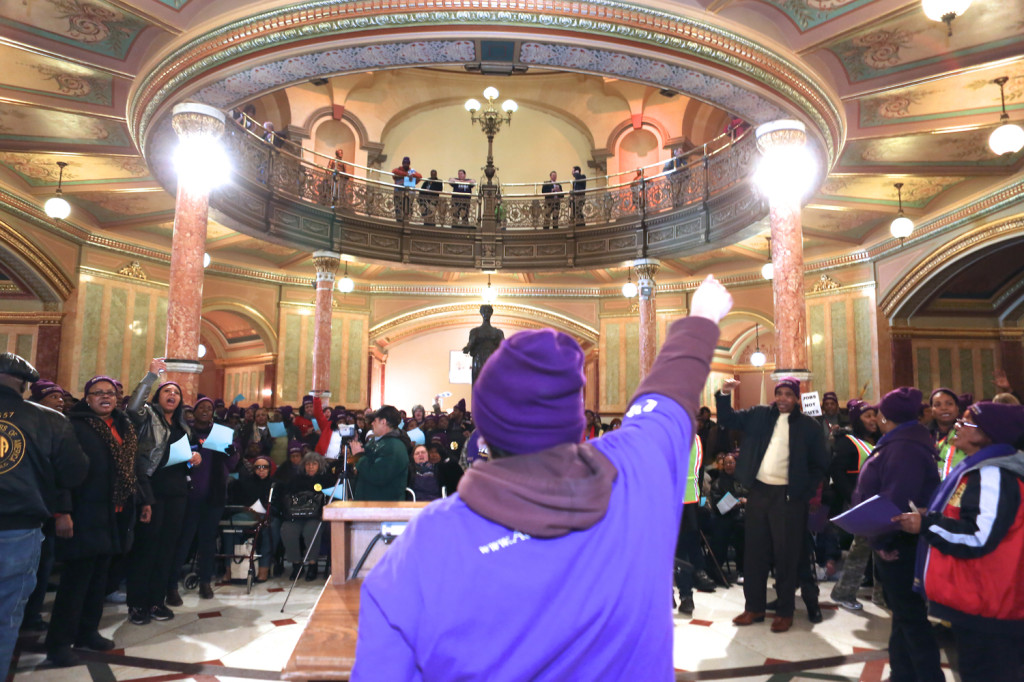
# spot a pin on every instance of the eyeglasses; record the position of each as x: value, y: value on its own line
x: 964, y: 422
x: 262, y: 466
x: 103, y: 394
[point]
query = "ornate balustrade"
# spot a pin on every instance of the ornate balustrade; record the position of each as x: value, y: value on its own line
x: 279, y: 196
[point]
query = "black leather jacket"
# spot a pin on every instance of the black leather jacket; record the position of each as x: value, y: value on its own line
x: 38, y: 455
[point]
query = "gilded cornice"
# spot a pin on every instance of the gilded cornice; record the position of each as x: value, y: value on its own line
x: 31, y: 317
x: 309, y: 21
x: 958, y: 333
x: 943, y: 256
x: 118, y: 277
x: 44, y: 266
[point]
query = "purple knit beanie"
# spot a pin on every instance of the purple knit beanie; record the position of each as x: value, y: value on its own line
x: 855, y: 407
x: 1002, y: 423
x: 307, y: 399
x: 285, y: 410
x: 43, y: 388
x: 791, y: 383
x: 204, y: 399
x: 901, y: 405
x: 97, y: 379
x: 830, y: 395
x: 529, y: 394
x: 294, y: 446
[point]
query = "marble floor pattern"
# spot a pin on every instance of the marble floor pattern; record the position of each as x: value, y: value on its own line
x: 248, y: 634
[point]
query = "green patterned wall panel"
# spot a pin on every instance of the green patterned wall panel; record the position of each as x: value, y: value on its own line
x: 988, y: 369
x: 354, y: 354
x: 863, y: 322
x: 819, y: 358
x: 92, y: 328
x: 339, y: 369
x: 632, y: 359
x: 23, y: 346
x: 139, y: 363
x: 945, y: 369
x: 612, y: 369
x: 4, y: 340
x: 160, y: 331
x: 290, y: 380
x: 116, y: 328
x: 924, y: 370
x: 840, y: 351
x: 967, y: 371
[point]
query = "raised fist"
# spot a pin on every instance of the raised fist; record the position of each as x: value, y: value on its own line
x: 729, y: 385
x: 711, y: 300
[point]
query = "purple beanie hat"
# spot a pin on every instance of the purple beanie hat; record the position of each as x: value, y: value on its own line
x: 204, y: 399
x: 855, y: 407
x: 830, y: 395
x: 791, y: 383
x: 286, y: 410
x: 901, y: 405
x: 43, y: 388
x: 529, y: 394
x: 97, y: 379
x: 294, y: 446
x: 1002, y: 423
x: 307, y: 399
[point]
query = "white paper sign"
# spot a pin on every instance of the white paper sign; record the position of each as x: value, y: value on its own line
x: 726, y: 504
x: 811, y: 404
x: 258, y: 507
x: 181, y: 452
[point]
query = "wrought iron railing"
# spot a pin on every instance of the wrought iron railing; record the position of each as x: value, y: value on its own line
x: 611, y: 200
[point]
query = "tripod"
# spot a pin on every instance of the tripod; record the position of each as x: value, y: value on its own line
x: 346, y: 494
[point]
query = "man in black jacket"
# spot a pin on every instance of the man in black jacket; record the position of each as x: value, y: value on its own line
x: 782, y: 461
x: 38, y: 454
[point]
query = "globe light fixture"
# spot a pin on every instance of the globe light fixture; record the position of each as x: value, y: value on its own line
x: 1008, y: 138
x: 629, y: 289
x: 202, y: 351
x: 490, y: 120
x: 206, y: 260
x: 490, y: 294
x: 200, y: 160
x: 757, y: 358
x: 945, y: 11
x: 788, y: 169
x: 57, y: 207
x: 902, y: 227
x: 345, y: 284
x: 768, y: 269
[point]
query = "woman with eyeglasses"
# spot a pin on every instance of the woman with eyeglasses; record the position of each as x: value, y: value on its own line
x: 205, y: 506
x: 89, y: 536
x: 253, y: 487
x: 902, y: 469
x: 973, y: 544
x: 159, y: 423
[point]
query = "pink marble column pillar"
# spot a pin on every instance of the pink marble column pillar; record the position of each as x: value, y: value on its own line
x: 645, y: 269
x: 327, y: 263
x: 185, y: 296
x: 788, y: 290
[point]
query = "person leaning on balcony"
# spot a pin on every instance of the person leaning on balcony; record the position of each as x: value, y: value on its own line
x: 406, y: 178
x: 552, y: 191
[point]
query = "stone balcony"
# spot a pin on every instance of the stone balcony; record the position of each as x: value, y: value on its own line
x: 282, y: 197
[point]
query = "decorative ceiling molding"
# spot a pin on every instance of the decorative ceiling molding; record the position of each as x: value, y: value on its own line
x: 34, y: 267
x: 263, y: 326
x: 907, y: 291
x: 737, y: 63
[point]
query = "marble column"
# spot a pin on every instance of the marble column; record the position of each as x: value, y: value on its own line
x: 327, y: 263
x: 47, y: 359
x: 188, y: 243
x: 787, y: 254
x: 902, y: 359
x: 645, y: 269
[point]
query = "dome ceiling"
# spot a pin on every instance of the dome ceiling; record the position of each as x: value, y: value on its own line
x: 910, y: 105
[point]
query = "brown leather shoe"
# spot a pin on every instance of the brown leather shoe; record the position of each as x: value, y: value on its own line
x: 782, y: 623
x: 749, y: 617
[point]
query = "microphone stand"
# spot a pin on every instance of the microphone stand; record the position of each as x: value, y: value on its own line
x: 342, y: 480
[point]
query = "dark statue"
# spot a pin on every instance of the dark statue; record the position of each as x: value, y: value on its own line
x: 483, y: 341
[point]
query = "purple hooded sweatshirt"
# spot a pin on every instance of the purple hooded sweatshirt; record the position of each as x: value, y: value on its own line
x: 554, y: 565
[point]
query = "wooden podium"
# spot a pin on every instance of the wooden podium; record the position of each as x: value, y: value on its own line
x: 326, y: 650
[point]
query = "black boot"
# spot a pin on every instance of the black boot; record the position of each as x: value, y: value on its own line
x: 813, y: 611
x: 702, y: 582
x: 296, y: 570
x: 311, y: 572
x: 686, y: 606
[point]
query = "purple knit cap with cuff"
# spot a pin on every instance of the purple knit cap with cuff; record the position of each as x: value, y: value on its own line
x: 901, y: 405
x: 97, y: 379
x: 830, y: 395
x: 1002, y: 423
x: 529, y: 394
x: 791, y: 383
x: 43, y: 388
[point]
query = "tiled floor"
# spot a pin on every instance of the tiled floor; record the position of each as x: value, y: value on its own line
x: 250, y: 632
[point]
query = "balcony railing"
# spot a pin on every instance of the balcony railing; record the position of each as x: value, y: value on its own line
x: 659, y: 210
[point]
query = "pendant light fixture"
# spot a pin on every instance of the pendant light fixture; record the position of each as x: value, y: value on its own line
x: 768, y: 269
x: 1008, y: 138
x: 757, y: 358
x: 629, y: 288
x: 902, y: 227
x: 490, y: 295
x: 345, y: 284
x: 945, y: 11
x: 57, y: 207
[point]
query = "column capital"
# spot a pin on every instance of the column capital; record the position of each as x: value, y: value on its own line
x: 192, y: 119
x: 646, y: 268
x: 780, y: 133
x: 327, y: 264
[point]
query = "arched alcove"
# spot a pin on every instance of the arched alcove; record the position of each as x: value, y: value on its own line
x: 637, y: 148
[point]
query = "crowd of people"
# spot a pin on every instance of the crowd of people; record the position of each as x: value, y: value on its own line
x: 118, y: 508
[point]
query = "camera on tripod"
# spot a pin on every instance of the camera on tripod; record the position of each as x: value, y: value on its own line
x: 347, y: 432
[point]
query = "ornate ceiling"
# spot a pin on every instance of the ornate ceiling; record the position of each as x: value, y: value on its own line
x: 889, y: 96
